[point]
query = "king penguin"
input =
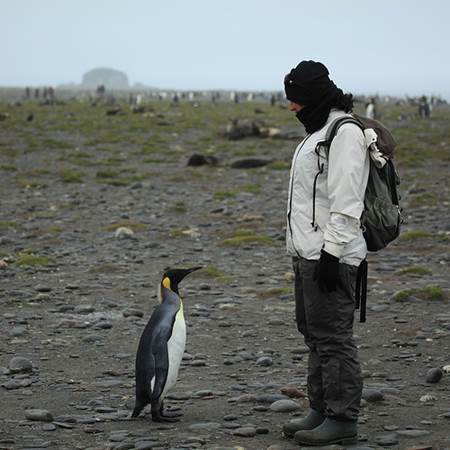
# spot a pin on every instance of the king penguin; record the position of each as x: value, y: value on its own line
x: 161, y: 348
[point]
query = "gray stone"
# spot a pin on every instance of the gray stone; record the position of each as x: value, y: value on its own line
x: 372, y: 395
x: 198, y: 363
x: 63, y: 425
x: 387, y: 439
x: 413, y: 433
x: 202, y: 393
x: 179, y: 395
x: 434, y: 375
x: 108, y: 383
x: 270, y: 398
x: 284, y: 406
x: 91, y: 338
x: 12, y: 384
x: 83, y: 309
x: 145, y: 445
x: 132, y: 312
x: 43, y: 288
x: 18, y: 331
x: 245, y: 432
x: 264, y: 361
x: 38, y: 415
x: 19, y: 364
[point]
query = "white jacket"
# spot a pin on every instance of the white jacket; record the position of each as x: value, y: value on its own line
x: 339, y: 195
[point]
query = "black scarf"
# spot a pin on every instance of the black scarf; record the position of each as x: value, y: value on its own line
x: 314, y: 116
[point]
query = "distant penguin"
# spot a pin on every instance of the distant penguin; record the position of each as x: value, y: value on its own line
x: 161, y: 348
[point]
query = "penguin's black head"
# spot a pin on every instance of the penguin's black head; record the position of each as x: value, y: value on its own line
x: 172, y: 277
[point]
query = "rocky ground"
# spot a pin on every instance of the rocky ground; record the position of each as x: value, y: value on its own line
x: 95, y: 204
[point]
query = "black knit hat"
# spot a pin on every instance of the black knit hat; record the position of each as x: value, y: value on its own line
x: 308, y: 83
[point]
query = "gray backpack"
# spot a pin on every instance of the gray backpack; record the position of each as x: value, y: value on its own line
x: 381, y: 217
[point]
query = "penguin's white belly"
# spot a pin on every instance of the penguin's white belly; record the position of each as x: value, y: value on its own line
x: 175, y: 349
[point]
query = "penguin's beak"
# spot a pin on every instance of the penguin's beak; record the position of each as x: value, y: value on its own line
x: 185, y: 272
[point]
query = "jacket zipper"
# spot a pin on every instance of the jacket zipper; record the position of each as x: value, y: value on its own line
x: 292, y: 188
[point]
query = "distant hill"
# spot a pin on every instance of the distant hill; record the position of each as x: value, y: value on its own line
x: 110, y: 78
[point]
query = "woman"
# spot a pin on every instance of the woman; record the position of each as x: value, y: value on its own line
x: 324, y: 237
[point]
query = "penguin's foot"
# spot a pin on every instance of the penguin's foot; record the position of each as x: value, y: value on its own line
x: 164, y: 418
x: 171, y: 414
x: 137, y: 410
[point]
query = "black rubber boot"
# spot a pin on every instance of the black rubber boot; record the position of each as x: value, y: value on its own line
x: 329, y: 432
x: 312, y: 420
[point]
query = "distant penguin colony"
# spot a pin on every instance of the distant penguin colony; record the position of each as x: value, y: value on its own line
x: 161, y: 349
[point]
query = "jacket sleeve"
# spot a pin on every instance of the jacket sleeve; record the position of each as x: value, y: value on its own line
x: 348, y: 171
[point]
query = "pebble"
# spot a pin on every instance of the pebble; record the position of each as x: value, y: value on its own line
x: 413, y: 433
x: 198, y: 363
x: 12, y: 384
x: 108, y: 383
x: 245, y: 432
x: 18, y: 331
x: 39, y: 415
x: 43, y: 288
x: 434, y: 375
x: 179, y: 395
x: 284, y: 406
x: 83, y: 309
x: 387, y: 439
x: 428, y: 398
x: 270, y: 398
x: 132, y: 312
x: 372, y: 395
x: 19, y: 364
x: 391, y: 427
x: 264, y: 361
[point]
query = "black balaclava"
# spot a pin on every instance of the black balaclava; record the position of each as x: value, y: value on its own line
x: 309, y: 85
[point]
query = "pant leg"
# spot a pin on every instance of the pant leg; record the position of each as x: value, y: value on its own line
x: 329, y: 325
x: 314, y: 379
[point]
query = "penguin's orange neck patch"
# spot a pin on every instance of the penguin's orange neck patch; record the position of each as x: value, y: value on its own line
x: 166, y: 282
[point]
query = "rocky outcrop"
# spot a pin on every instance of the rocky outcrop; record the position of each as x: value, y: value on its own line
x: 110, y: 78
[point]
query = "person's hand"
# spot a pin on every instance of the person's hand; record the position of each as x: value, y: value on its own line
x: 327, y: 272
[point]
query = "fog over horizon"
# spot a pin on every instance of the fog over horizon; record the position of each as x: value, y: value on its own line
x: 370, y: 47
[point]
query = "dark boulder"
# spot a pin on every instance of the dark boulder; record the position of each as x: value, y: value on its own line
x: 196, y: 160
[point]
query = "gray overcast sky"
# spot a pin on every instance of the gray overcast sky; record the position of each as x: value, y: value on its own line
x: 386, y: 46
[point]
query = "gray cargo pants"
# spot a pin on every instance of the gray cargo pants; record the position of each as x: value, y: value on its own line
x: 326, y: 322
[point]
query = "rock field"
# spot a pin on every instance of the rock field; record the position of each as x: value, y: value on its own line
x: 94, y: 207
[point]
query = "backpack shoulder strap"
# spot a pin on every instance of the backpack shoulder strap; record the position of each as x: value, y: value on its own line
x: 333, y: 128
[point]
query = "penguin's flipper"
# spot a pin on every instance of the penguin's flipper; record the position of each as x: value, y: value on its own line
x: 161, y: 356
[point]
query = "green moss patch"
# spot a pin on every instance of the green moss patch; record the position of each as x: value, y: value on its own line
x: 244, y: 237
x: 71, y: 176
x: 31, y: 259
x: 431, y: 292
x: 414, y: 270
x: 413, y: 235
